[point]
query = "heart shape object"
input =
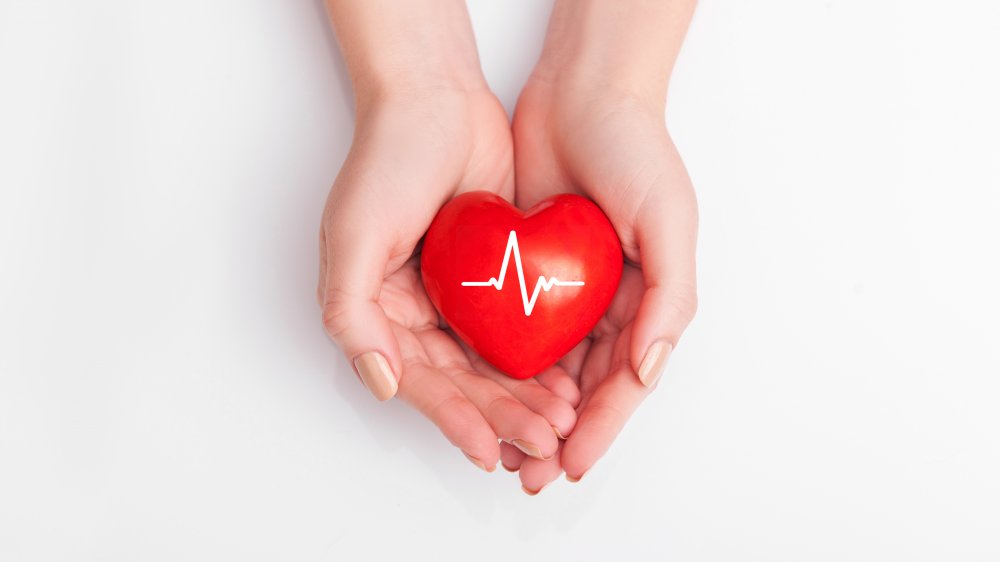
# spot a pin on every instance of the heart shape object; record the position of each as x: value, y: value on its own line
x: 521, y: 288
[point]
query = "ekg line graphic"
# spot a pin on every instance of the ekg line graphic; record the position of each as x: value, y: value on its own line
x: 543, y: 284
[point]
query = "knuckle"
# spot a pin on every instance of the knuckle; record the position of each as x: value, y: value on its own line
x: 501, y: 405
x: 456, y: 369
x: 454, y: 406
x: 336, y: 317
x: 606, y: 415
x: 548, y: 405
x: 457, y: 419
x: 684, y: 303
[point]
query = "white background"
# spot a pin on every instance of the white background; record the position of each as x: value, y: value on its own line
x: 167, y: 392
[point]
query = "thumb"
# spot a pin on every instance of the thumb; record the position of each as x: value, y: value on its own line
x: 667, y: 231
x: 352, y: 270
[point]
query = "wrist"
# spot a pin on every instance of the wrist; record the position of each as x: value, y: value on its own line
x: 397, y: 48
x: 583, y: 89
x: 625, y: 48
x: 421, y: 63
x: 392, y: 81
x: 409, y: 88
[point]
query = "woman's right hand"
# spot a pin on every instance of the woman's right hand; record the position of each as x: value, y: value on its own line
x: 414, y: 149
x: 427, y: 129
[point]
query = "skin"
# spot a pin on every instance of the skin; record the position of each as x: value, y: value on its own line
x: 589, y: 121
x: 427, y: 129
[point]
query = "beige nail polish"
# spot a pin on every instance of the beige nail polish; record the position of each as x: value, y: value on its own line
x: 573, y: 479
x: 375, y: 372
x: 558, y: 433
x: 654, y: 362
x: 529, y: 449
x: 529, y: 491
x: 478, y: 462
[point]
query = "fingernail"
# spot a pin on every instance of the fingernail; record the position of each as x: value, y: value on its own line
x: 529, y: 449
x: 529, y: 491
x: 654, y: 362
x: 376, y: 374
x: 478, y: 462
x: 558, y: 433
x: 507, y: 468
x: 574, y: 478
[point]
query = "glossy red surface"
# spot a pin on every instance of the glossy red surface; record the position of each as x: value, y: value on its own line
x: 565, y: 238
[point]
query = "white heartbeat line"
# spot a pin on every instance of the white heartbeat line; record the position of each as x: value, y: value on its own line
x: 543, y: 284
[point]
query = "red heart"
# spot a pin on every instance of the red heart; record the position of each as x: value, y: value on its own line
x: 571, y: 261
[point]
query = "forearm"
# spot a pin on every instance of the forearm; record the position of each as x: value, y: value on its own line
x: 389, y: 45
x: 624, y: 44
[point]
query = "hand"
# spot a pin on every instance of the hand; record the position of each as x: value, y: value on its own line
x: 583, y: 135
x: 422, y: 136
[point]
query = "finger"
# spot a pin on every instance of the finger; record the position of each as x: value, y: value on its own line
x: 536, y: 474
x: 573, y: 361
x: 511, y: 457
x: 596, y: 366
x: 539, y: 399
x: 510, y: 419
x: 556, y: 379
x: 355, y: 267
x: 667, y: 230
x: 601, y: 420
x: 606, y: 350
x: 559, y: 382
x: 321, y: 287
x: 440, y: 401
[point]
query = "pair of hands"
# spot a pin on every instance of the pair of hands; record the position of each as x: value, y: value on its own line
x: 416, y: 146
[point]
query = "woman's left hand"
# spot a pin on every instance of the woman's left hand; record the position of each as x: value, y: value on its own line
x: 612, y: 146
